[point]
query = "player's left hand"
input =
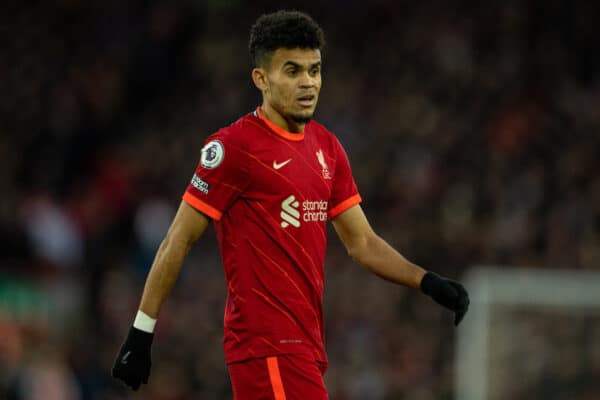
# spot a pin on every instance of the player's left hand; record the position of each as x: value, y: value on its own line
x: 447, y: 293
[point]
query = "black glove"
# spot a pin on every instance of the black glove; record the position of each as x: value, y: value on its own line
x: 132, y: 364
x: 448, y: 293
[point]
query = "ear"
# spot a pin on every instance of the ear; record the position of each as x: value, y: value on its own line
x: 259, y: 77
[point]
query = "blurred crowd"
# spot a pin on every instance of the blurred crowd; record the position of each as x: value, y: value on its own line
x: 472, y: 129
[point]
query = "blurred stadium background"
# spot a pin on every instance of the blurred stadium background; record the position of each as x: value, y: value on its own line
x: 473, y: 131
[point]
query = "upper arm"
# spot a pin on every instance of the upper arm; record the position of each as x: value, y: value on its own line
x: 188, y: 225
x: 353, y: 229
x: 221, y: 175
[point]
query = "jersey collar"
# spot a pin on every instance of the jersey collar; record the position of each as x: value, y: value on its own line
x: 279, y: 130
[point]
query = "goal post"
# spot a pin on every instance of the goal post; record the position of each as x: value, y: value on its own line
x: 529, y: 334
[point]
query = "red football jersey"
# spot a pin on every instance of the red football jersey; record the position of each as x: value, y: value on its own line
x: 271, y: 193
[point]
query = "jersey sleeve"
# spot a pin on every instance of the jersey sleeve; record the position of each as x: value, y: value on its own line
x: 220, y: 178
x: 344, y: 193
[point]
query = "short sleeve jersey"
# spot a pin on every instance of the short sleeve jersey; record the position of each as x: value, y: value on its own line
x: 270, y: 193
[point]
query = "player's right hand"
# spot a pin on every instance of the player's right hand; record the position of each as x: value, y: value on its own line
x: 132, y: 365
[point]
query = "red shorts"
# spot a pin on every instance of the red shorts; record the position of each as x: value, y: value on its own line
x: 284, y: 377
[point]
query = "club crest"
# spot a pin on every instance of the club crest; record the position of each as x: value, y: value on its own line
x: 325, y: 169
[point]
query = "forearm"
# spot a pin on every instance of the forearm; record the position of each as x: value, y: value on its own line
x: 379, y: 257
x: 163, y: 274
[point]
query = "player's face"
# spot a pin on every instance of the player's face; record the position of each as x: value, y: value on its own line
x: 293, y: 82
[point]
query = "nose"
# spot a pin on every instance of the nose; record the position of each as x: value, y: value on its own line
x: 307, y: 81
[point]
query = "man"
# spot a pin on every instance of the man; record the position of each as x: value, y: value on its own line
x: 270, y: 181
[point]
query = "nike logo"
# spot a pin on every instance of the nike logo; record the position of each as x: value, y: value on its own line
x: 281, y: 164
x: 125, y: 357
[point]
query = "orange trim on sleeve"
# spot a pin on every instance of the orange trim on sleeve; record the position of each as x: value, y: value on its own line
x: 344, y: 205
x: 275, y: 377
x: 279, y: 130
x: 202, y: 206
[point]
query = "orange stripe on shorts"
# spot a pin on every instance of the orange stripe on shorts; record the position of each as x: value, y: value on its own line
x: 275, y: 376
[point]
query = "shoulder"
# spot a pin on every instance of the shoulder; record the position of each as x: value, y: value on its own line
x: 318, y: 128
x: 240, y: 132
x: 228, y: 145
x: 237, y: 133
x: 231, y: 140
x: 323, y: 135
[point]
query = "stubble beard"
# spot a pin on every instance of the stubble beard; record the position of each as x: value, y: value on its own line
x: 299, y: 119
x: 302, y: 119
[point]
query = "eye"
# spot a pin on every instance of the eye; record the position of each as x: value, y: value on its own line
x: 292, y: 72
x: 315, y: 71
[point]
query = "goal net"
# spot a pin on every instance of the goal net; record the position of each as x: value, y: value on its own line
x: 530, y: 334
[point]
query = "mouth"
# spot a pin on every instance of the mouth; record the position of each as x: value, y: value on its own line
x: 307, y: 100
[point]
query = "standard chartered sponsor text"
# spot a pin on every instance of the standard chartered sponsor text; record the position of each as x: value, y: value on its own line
x: 314, y: 210
x: 311, y: 211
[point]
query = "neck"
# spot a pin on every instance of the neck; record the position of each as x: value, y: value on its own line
x: 288, y: 124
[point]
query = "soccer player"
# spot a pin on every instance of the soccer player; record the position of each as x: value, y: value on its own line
x: 270, y: 181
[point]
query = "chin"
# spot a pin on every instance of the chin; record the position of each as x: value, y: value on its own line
x: 302, y: 118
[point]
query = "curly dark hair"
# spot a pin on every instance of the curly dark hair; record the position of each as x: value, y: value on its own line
x: 283, y: 29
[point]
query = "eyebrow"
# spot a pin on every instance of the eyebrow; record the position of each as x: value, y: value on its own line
x: 299, y: 66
